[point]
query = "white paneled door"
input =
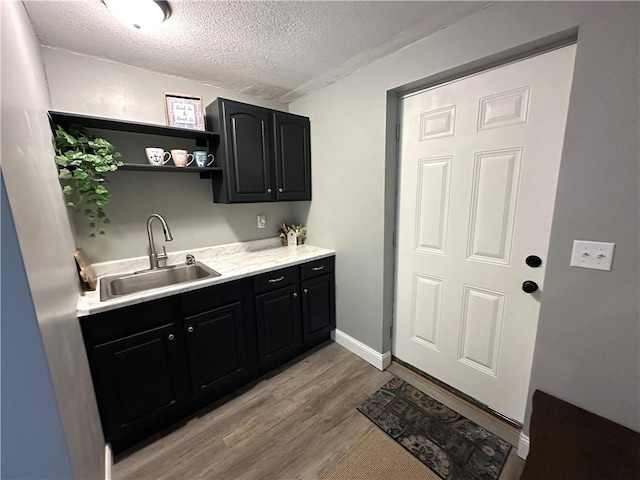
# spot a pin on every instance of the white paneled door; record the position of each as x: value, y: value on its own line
x: 479, y: 160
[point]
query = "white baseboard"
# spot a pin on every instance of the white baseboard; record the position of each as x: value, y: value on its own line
x: 523, y: 446
x: 108, y: 461
x: 368, y: 354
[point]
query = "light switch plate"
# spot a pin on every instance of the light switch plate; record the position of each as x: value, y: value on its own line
x: 262, y: 221
x: 593, y: 255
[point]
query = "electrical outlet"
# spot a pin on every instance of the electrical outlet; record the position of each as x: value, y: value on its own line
x: 593, y: 255
x: 262, y: 221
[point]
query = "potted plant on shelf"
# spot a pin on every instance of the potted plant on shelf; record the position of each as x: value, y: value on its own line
x: 82, y: 160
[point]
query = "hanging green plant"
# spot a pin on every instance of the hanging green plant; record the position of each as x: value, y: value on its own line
x: 82, y: 161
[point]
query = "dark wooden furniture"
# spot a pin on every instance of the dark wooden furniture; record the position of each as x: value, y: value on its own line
x: 215, y: 328
x: 265, y: 154
x: 130, y: 138
x: 318, y: 298
x: 278, y: 314
x: 292, y: 156
x: 262, y: 156
x: 569, y: 443
x: 156, y: 362
x: 135, y: 365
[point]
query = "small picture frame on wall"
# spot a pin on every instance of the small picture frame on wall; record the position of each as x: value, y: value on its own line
x: 184, y: 111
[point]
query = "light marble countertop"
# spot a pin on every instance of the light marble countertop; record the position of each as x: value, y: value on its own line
x: 233, y: 261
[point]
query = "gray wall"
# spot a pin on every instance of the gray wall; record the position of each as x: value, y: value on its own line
x: 83, y: 84
x: 587, y: 350
x: 46, y: 244
x: 588, y: 344
x: 33, y: 443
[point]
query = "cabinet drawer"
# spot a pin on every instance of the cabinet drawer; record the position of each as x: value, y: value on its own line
x: 276, y: 279
x: 199, y: 301
x: 318, y: 267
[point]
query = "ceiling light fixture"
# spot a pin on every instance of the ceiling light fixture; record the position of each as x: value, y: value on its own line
x: 139, y: 13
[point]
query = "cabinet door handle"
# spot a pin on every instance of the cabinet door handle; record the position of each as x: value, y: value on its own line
x: 275, y: 280
x: 171, y: 336
x: 306, y: 290
x: 295, y: 294
x: 280, y: 190
x: 190, y: 329
x: 315, y: 269
x: 268, y: 190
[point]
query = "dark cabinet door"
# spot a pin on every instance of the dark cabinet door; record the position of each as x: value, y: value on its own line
x: 292, y: 157
x: 248, y: 153
x: 278, y: 322
x: 215, y: 342
x: 318, y: 307
x: 137, y: 379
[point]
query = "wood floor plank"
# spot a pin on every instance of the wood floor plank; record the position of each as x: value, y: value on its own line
x: 292, y: 424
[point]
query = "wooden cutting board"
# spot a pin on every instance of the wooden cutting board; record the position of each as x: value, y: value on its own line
x: 87, y: 275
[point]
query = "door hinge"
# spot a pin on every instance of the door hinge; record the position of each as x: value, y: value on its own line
x: 391, y: 331
x: 397, y: 131
x: 394, y: 238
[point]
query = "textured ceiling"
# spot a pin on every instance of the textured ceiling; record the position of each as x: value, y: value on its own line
x: 279, y: 50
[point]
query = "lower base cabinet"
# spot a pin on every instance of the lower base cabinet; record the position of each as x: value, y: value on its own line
x: 278, y: 315
x: 157, y: 362
x: 318, y: 307
x: 137, y: 379
x: 216, y: 347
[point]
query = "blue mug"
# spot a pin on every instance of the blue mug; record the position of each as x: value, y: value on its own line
x: 201, y: 158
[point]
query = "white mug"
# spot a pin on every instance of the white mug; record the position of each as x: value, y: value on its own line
x: 180, y: 158
x: 156, y: 156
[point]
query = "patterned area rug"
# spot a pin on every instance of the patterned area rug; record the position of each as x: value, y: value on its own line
x: 452, y: 446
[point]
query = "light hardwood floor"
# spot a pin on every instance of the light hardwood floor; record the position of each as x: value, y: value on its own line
x: 293, y: 424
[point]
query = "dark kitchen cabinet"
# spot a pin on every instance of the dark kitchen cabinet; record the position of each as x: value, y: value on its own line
x: 318, y: 307
x: 137, y: 379
x: 292, y: 156
x: 265, y: 154
x: 136, y: 366
x: 156, y: 362
x: 278, y: 322
x: 318, y: 298
x: 245, y: 152
x: 216, y: 347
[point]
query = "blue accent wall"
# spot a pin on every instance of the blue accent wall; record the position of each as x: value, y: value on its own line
x: 33, y: 443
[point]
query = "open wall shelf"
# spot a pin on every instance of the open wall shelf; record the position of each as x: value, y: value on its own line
x: 65, y: 119
x: 141, y: 167
x: 144, y: 134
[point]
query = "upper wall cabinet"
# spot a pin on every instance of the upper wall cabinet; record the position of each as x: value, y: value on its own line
x: 292, y: 156
x: 265, y: 154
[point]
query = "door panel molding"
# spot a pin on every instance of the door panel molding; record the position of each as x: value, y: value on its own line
x: 432, y: 204
x: 469, y: 224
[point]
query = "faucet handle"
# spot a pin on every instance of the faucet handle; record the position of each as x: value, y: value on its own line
x: 190, y: 260
x: 163, y: 255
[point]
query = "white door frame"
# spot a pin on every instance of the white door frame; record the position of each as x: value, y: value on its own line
x: 392, y: 165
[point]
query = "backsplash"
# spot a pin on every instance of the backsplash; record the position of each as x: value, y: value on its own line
x: 185, y: 201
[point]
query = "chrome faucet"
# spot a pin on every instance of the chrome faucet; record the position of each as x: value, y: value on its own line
x: 153, y: 256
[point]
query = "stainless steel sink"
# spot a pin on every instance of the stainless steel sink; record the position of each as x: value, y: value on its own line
x: 115, y: 286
